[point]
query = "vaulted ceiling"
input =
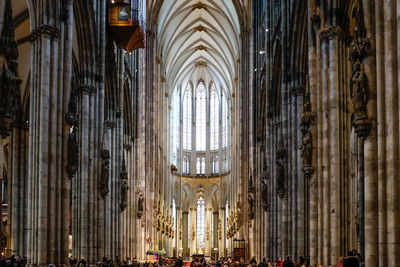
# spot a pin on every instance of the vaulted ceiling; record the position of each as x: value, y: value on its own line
x: 198, y: 40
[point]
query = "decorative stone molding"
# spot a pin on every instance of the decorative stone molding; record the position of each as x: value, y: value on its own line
x: 297, y: 90
x: 200, y: 28
x: 150, y: 34
x: 158, y: 60
x: 46, y: 31
x: 201, y: 63
x: 127, y: 147
x: 200, y: 47
x: 86, y: 89
x: 330, y: 33
x: 110, y: 124
x: 199, y: 5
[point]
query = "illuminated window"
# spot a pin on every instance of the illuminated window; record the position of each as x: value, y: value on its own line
x: 201, y: 105
x: 203, y: 166
x: 224, y: 122
x: 201, y: 229
x: 198, y: 166
x: 187, y: 119
x: 214, y: 118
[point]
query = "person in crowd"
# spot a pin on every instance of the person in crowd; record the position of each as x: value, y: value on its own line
x: 340, y: 264
x: 253, y: 261
x: 279, y: 263
x: 351, y: 260
x: 81, y: 262
x: 288, y: 262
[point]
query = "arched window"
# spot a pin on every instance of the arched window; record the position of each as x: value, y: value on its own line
x: 201, y: 227
x: 214, y: 118
x: 186, y: 165
x: 224, y: 122
x: 187, y: 119
x: 198, y: 166
x: 202, y: 113
x: 175, y: 131
x: 203, y: 166
x: 201, y: 105
x: 215, y: 165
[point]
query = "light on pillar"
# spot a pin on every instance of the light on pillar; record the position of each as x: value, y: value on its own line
x: 126, y: 25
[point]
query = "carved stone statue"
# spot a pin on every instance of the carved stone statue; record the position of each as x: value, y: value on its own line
x: 219, y: 230
x: 180, y: 229
x: 264, y: 193
x: 251, y: 206
x: 140, y: 207
x: 307, y: 148
x: 359, y: 91
x: 280, y: 171
x: 105, y: 172
x: 9, y: 100
x: 124, y: 195
x: 73, y: 152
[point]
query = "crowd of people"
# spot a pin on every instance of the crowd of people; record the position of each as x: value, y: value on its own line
x: 13, y: 261
x: 353, y: 259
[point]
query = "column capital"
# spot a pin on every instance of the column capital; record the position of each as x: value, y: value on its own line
x: 332, y: 32
x: 46, y: 31
x: 86, y: 89
x: 110, y: 124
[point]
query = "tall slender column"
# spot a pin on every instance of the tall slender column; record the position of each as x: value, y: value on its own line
x: 50, y: 55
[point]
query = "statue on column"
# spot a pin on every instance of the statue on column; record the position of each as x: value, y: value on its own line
x: 140, y: 207
x: 251, y: 206
x: 359, y: 91
x: 124, y: 195
x: 73, y: 152
x: 280, y: 170
x: 9, y: 82
x: 264, y: 193
x: 105, y: 172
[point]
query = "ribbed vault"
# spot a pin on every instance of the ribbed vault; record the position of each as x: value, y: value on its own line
x: 198, y: 40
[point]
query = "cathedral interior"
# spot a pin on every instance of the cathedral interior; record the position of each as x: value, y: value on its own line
x: 191, y: 126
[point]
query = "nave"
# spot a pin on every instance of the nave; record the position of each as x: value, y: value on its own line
x: 215, y: 129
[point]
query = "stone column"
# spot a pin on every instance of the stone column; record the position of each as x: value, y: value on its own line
x: 48, y: 188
